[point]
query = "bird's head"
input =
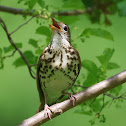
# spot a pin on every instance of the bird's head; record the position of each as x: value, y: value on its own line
x: 61, y: 29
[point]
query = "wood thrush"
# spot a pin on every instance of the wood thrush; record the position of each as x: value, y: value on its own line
x: 58, y: 67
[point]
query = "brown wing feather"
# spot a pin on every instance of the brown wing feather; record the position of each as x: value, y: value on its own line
x: 41, y: 94
x: 77, y: 55
x: 79, y: 58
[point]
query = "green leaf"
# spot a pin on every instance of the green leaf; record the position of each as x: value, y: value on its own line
x: 1, y: 59
x: 96, y: 106
x: 10, y: 48
x: 112, y: 65
x: 92, y: 122
x: 89, y: 65
x: 68, y: 19
x: 32, y: 3
x: 102, y: 118
x: 0, y: 53
x: 97, y: 32
x: 43, y: 30
x: 116, y: 91
x: 105, y: 57
x: 92, y: 76
x: 41, y: 3
x: 29, y: 56
x: 122, y: 8
x: 72, y: 4
x: 91, y: 79
x: 106, y: 103
x: 33, y: 43
x: 47, y: 40
x: 88, y: 3
x: 39, y: 51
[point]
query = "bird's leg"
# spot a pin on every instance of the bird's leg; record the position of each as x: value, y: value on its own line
x: 47, y: 109
x: 71, y: 97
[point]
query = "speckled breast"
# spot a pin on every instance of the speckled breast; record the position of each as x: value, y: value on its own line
x: 58, y: 72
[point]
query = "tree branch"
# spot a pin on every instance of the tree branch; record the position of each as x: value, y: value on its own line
x: 32, y: 12
x: 73, y: 12
x: 113, y: 98
x: 15, y: 10
x: 103, y: 99
x: 21, y: 25
x: 80, y: 86
x: 14, y: 45
x: 83, y: 96
x: 4, y: 57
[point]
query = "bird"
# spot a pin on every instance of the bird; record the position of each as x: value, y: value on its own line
x: 58, y: 67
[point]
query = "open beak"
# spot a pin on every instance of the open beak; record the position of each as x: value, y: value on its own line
x: 55, y: 25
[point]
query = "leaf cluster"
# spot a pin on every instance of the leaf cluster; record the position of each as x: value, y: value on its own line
x: 95, y: 74
x: 104, y: 8
x: 99, y: 9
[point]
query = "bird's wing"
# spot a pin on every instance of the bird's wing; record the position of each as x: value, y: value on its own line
x: 77, y: 53
x: 41, y: 94
x: 79, y: 59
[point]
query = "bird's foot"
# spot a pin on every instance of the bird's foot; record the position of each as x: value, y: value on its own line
x: 72, y: 98
x: 48, y: 110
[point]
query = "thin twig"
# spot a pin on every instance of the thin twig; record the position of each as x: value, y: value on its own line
x: 32, y: 12
x: 114, y: 98
x: 110, y: 103
x: 80, y: 86
x: 33, y: 71
x: 4, y: 57
x: 111, y: 96
x: 93, y: 102
x: 15, y: 10
x: 16, y: 48
x: 33, y: 65
x: 73, y: 12
x: 22, y: 25
x: 103, y: 102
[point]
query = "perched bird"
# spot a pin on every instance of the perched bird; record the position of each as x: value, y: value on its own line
x: 58, y: 67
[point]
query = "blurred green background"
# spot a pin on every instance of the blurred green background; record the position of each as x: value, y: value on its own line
x: 18, y: 93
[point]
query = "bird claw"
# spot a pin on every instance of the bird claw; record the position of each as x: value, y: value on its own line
x: 72, y: 98
x: 47, y: 109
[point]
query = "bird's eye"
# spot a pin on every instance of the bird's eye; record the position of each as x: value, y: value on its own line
x: 65, y: 28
